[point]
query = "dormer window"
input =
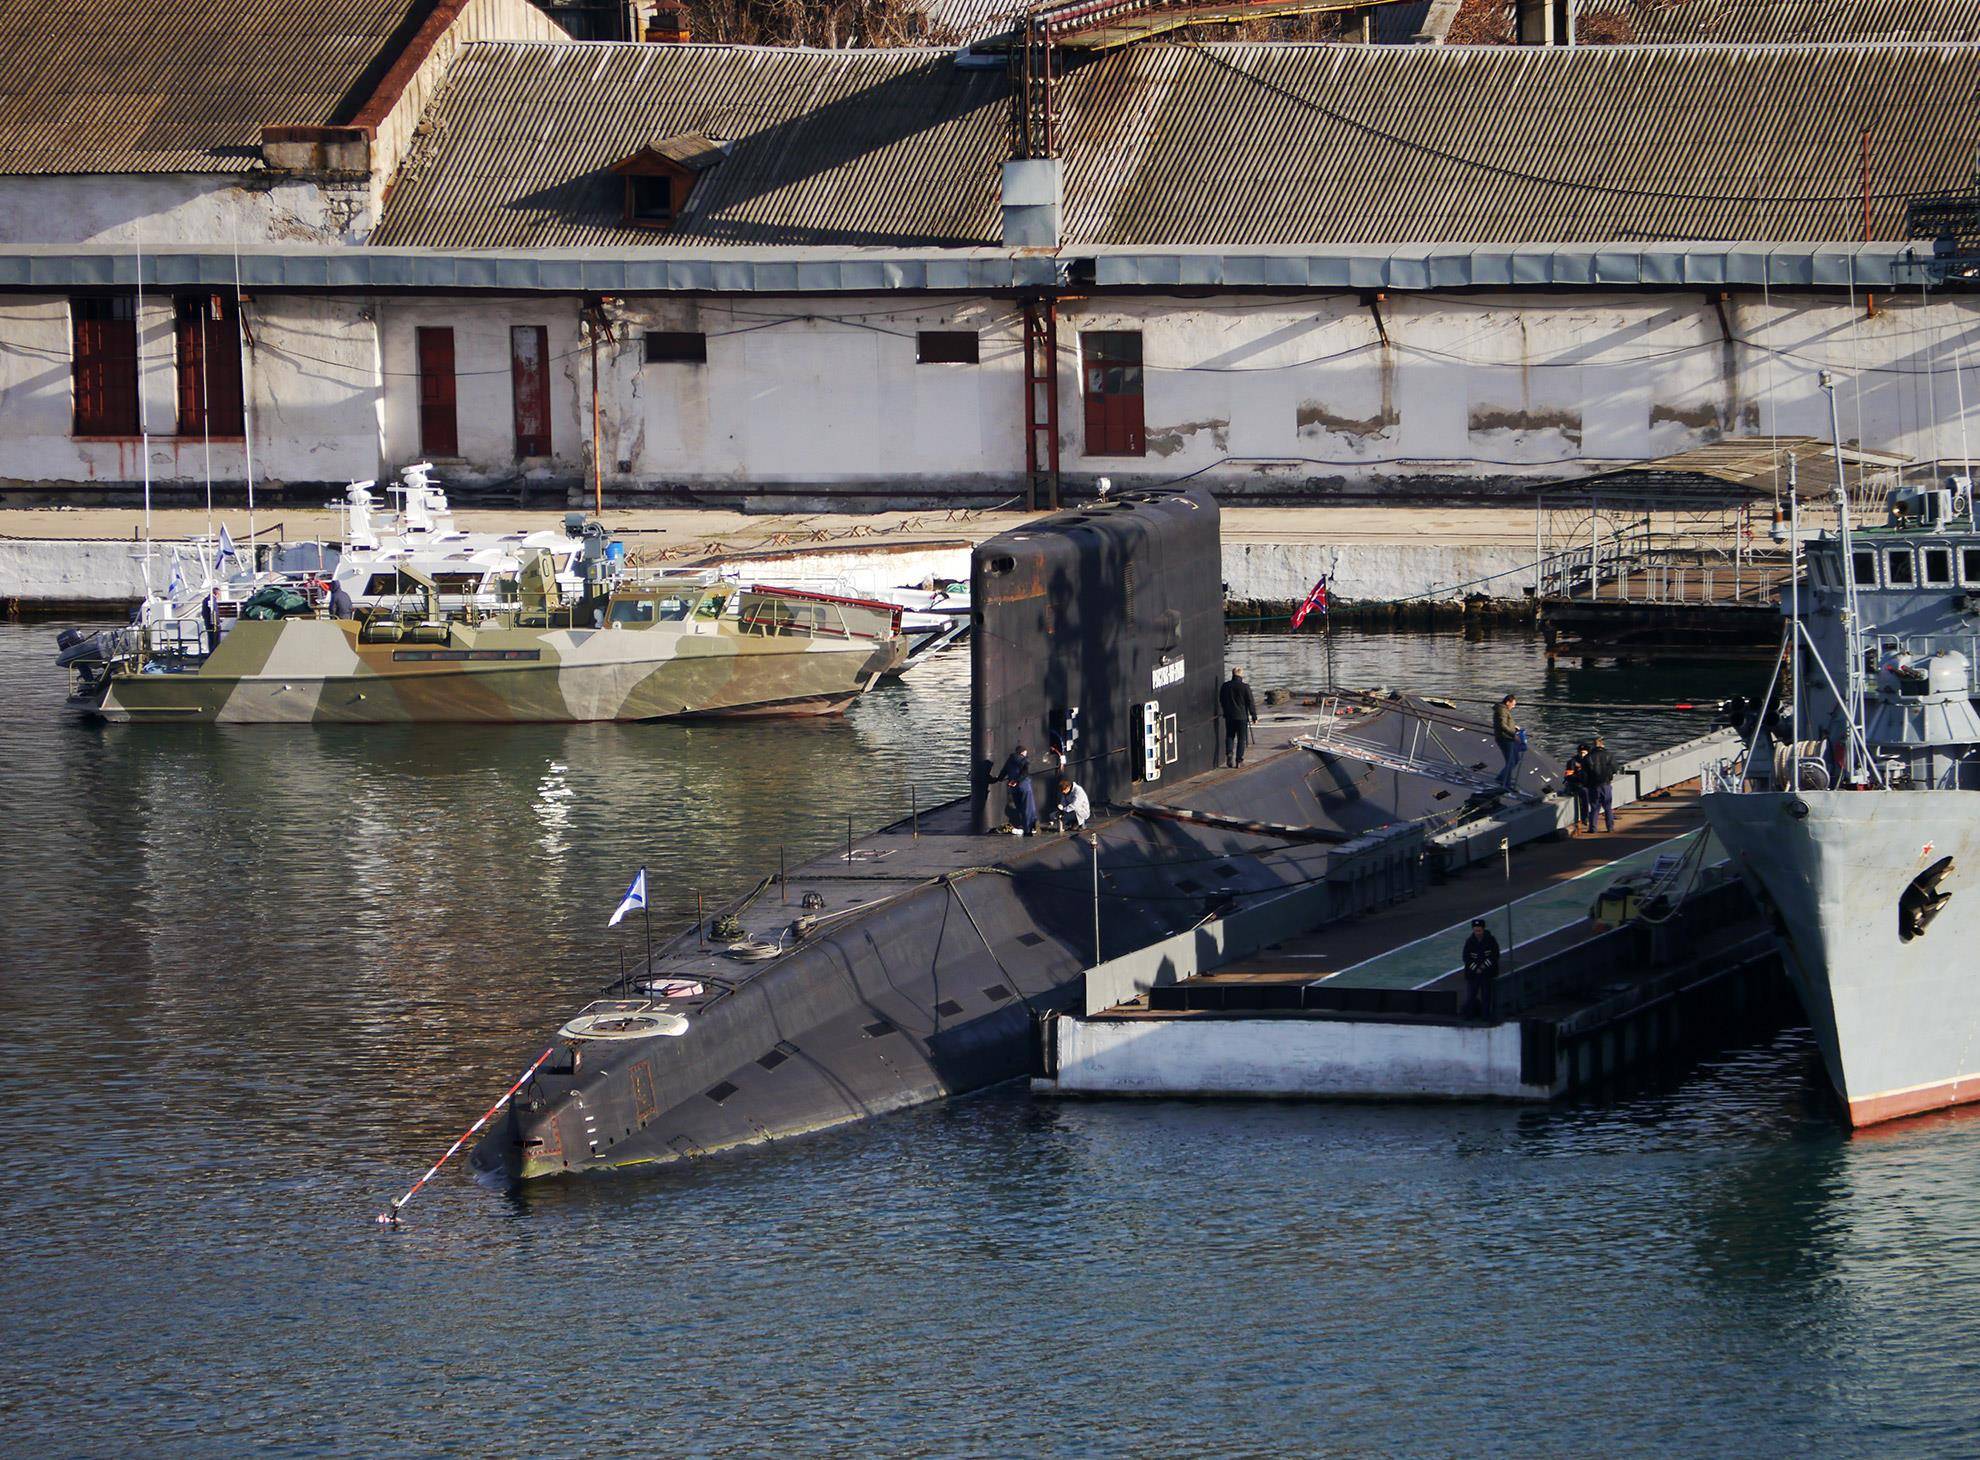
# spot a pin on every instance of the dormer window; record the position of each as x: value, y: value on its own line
x: 660, y: 178
x: 650, y: 201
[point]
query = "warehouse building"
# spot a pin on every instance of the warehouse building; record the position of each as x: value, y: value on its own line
x: 778, y: 277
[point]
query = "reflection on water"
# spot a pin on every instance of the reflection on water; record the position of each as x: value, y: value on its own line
x: 255, y: 979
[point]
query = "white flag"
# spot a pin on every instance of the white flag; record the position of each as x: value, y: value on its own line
x: 226, y: 548
x: 635, y: 897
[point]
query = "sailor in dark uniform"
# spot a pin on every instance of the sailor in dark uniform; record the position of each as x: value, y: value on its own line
x: 1020, y: 801
x: 1240, y: 712
x: 1481, y: 967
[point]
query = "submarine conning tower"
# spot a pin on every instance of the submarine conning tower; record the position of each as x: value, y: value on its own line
x: 1099, y: 630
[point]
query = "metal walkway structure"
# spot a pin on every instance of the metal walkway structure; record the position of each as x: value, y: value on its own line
x: 1044, y: 31
x: 1412, y: 757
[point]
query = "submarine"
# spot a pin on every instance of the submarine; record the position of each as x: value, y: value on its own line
x: 925, y: 960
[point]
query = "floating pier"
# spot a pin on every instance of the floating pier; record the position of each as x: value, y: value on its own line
x: 1620, y: 951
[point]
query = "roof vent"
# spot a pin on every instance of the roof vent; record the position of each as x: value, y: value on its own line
x: 1032, y: 202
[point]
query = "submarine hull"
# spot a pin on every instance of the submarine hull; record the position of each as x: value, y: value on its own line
x: 935, y: 960
x: 923, y: 961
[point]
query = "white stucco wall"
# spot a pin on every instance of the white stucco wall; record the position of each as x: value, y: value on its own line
x: 156, y: 209
x: 804, y: 399
x: 1299, y: 392
x: 314, y: 398
x: 800, y: 391
x: 1515, y: 385
x: 484, y: 389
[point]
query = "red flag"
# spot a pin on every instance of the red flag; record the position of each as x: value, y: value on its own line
x: 1316, y: 602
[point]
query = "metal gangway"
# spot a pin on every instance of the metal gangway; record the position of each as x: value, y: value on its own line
x: 1415, y: 756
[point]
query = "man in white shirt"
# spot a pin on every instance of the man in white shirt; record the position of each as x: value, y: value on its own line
x: 1074, y: 809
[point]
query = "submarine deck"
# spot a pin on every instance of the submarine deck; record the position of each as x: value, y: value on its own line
x: 1164, y: 850
x: 941, y: 841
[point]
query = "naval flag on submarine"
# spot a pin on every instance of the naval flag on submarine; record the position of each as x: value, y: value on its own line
x: 635, y: 897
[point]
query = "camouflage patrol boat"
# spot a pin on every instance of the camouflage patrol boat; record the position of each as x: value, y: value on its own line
x: 636, y: 649
x: 1853, y: 815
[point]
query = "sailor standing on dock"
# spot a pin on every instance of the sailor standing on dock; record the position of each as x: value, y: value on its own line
x: 1598, y: 771
x: 1576, y: 774
x: 1481, y: 967
x: 1240, y: 709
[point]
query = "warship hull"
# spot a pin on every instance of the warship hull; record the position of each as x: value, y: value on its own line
x: 1894, y: 1008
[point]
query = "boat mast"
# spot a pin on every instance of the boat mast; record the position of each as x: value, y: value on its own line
x: 1852, y: 622
x: 144, y: 430
x: 1794, y: 632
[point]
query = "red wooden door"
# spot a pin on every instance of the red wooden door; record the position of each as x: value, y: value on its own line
x: 105, y: 367
x: 1110, y: 362
x: 209, y: 358
x: 529, y: 373
x: 439, y: 433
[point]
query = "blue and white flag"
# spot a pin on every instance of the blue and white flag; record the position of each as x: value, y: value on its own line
x: 226, y: 549
x: 635, y: 897
x: 175, y: 584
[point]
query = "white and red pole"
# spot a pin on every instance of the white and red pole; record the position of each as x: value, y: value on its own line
x: 391, y: 1217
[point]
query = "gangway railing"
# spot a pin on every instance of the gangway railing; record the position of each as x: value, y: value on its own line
x: 1422, y: 753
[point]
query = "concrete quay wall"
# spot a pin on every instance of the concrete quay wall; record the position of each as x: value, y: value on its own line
x: 63, y: 573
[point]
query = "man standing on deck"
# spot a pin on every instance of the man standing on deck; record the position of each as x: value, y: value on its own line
x: 1240, y: 712
x: 1576, y: 774
x: 1598, y: 771
x: 340, y: 601
x: 1020, y: 801
x: 1481, y: 967
x: 1511, y: 739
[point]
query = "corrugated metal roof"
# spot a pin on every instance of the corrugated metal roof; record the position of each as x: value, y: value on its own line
x: 126, y: 86
x: 963, y: 21
x: 830, y: 147
x: 1229, y: 145
x: 1789, y: 22
x: 1276, y: 144
x: 1777, y: 22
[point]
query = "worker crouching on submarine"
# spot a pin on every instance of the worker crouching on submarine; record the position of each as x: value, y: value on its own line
x: 1073, y: 810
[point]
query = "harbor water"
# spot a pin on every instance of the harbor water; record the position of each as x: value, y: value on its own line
x: 253, y: 980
